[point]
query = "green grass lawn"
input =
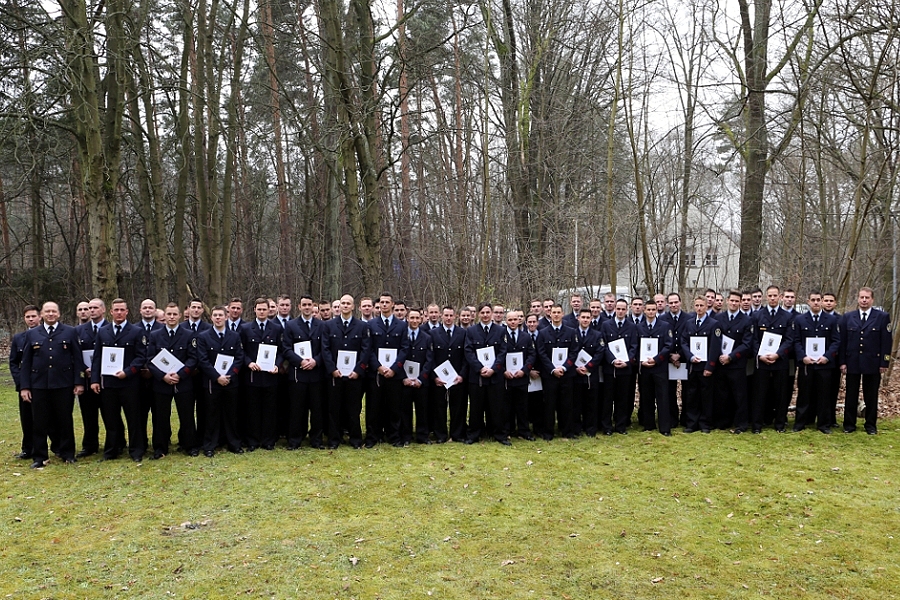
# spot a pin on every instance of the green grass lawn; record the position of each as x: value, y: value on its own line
x: 642, y: 516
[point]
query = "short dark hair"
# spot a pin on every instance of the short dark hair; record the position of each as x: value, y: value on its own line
x: 388, y: 294
x: 30, y: 307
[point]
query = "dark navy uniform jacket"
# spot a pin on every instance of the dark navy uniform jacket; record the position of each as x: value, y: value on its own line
x: 712, y: 331
x: 611, y: 332
x: 524, y: 345
x: 183, y: 346
x: 420, y: 351
x: 865, y: 348
x: 297, y: 331
x: 353, y: 339
x: 15, y: 357
x: 742, y: 331
x: 592, y: 344
x: 51, y: 362
x: 827, y: 327
x: 209, y: 347
x: 392, y: 336
x: 252, y: 336
x: 571, y: 320
x: 662, y: 331
x: 450, y: 347
x: 201, y: 326
x: 782, y: 324
x: 677, y: 328
x: 550, y: 338
x: 476, y: 339
x: 86, y: 339
x: 132, y: 340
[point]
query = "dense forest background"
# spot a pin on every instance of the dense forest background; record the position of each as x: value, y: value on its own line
x: 446, y: 151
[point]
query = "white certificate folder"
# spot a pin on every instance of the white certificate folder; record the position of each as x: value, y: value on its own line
x: 112, y: 361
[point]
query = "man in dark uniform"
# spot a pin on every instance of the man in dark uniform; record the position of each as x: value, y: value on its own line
x: 771, y: 374
x: 119, y: 391
x: 485, y: 374
x: 677, y: 318
x: 556, y: 350
x: 448, y: 343
x: 415, y: 385
x: 197, y: 325
x: 149, y: 323
x: 520, y: 358
x: 586, y: 384
x: 261, y: 385
x: 731, y: 406
x: 865, y: 353
x: 351, y: 335
x: 51, y: 373
x: 89, y: 402
x: 216, y: 347
x: 819, y: 333
x: 615, y: 412
x: 654, y: 372
x: 698, y: 389
x: 301, y: 345
x: 544, y: 320
x: 384, y: 381
x: 170, y: 382
x: 571, y: 319
x: 16, y: 351
x: 535, y: 396
x: 829, y: 303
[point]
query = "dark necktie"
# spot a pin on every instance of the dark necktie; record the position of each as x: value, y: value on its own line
x: 95, y: 329
x: 412, y: 338
x: 171, y: 333
x: 816, y: 319
x: 449, y: 333
x: 864, y: 318
x: 514, y: 337
x: 305, y: 325
x: 386, y: 324
x: 262, y: 327
x: 221, y: 336
x: 730, y: 318
x: 118, y: 330
x: 233, y: 326
x: 485, y: 327
x: 583, y: 335
x: 534, y: 337
x: 149, y: 328
x: 698, y: 323
x: 773, y: 312
x: 50, y: 331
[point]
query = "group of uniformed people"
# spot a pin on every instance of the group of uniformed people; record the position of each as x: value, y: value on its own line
x: 432, y: 375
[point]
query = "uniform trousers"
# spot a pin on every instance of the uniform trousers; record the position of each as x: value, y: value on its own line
x: 261, y: 408
x: 769, y: 388
x: 813, y: 386
x: 517, y: 401
x: 162, y: 422
x: 344, y: 396
x: 655, y: 398
x: 698, y: 401
x: 483, y: 394
x: 437, y: 412
x: 617, y: 407
x: 26, y: 420
x: 307, y: 413
x: 586, y: 400
x: 114, y: 401
x: 458, y: 405
x: 870, y: 384
x: 221, y: 418
x: 557, y: 405
x: 731, y: 390
x: 52, y: 416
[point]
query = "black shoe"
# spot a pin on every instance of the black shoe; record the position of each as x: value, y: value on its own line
x: 825, y: 430
x: 269, y: 447
x: 528, y: 437
x: 85, y: 453
x: 667, y: 434
x: 333, y: 446
x: 209, y: 453
x: 688, y: 430
x: 237, y: 450
x: 846, y: 430
x: 38, y: 464
x: 292, y: 447
x: 505, y: 442
x: 607, y: 432
x: 468, y: 442
x: 798, y: 429
x: 157, y: 455
x: 757, y: 431
x: 137, y: 459
x: 356, y: 445
x: 738, y: 431
x: 779, y: 430
x: 23, y: 455
x: 622, y: 431
x: 251, y: 448
x: 70, y: 461
x: 194, y: 452
x: 316, y: 446
x: 871, y: 431
x: 397, y: 444
x: 442, y: 441
x: 369, y: 444
x: 704, y: 431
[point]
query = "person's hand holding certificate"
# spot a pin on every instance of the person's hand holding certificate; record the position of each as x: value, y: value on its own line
x: 619, y: 350
x: 446, y: 375
x: 112, y: 362
x: 265, y: 358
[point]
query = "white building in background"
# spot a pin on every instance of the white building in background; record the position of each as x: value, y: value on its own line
x: 711, y: 255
